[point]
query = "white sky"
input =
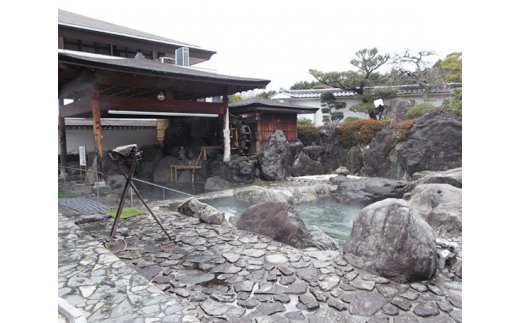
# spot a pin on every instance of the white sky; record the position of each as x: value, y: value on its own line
x: 282, y: 40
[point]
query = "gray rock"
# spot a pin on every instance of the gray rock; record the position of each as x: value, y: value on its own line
x: 309, y: 302
x: 295, y: 316
x: 205, y: 212
x: 283, y: 298
x: 441, y: 206
x: 385, y: 248
x: 248, y: 303
x: 268, y: 309
x: 444, y: 306
x: 369, y: 190
x: 256, y: 194
x: 402, y: 303
x: 214, y: 308
x: 366, y: 303
x: 308, y: 274
x: 298, y: 287
x: 278, y: 221
x: 304, y: 165
x: 426, y: 309
x: 194, y: 277
x: 276, y: 158
x: 406, y: 318
x: 390, y: 309
x: 452, y: 177
x: 363, y: 285
x: 321, y: 240
x: 217, y: 183
x: 329, y: 283
x: 337, y: 304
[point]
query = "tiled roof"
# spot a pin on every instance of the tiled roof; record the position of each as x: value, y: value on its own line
x: 151, y: 66
x: 73, y: 20
x: 339, y: 93
x: 272, y: 105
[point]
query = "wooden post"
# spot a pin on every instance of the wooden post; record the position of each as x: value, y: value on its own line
x: 96, y: 126
x: 227, y: 139
x: 62, y: 136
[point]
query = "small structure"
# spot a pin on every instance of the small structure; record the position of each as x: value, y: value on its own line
x: 263, y: 117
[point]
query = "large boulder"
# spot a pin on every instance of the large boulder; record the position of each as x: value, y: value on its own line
x: 434, y: 143
x: 392, y: 240
x: 216, y: 183
x: 205, y: 212
x: 304, y: 165
x: 240, y: 169
x: 333, y: 155
x: 276, y: 158
x: 398, y: 109
x: 451, y: 176
x: 381, y: 158
x: 152, y: 154
x: 256, y: 194
x: 354, y: 159
x: 279, y: 221
x: 441, y: 206
x: 368, y: 190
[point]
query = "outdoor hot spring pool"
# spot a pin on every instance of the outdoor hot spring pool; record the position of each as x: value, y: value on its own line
x: 332, y: 217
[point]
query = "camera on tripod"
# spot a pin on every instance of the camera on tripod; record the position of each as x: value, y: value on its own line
x: 125, y: 155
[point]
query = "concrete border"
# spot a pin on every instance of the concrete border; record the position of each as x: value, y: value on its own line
x: 72, y: 314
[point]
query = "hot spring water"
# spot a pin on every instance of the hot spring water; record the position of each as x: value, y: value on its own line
x: 332, y: 217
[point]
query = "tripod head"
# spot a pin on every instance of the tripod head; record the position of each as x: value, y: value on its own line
x: 126, y: 155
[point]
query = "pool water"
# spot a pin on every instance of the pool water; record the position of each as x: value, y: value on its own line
x: 332, y: 217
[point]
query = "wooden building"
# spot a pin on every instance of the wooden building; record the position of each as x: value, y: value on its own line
x: 263, y: 117
x: 110, y: 71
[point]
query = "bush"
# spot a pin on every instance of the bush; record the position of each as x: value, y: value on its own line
x: 401, y: 130
x: 307, y: 133
x: 454, y: 105
x: 350, y: 119
x: 419, y: 109
x: 359, y: 131
x: 336, y: 116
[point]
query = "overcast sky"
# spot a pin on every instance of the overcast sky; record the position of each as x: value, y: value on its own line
x: 282, y: 40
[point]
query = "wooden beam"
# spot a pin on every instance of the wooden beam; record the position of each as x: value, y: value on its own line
x: 96, y: 126
x: 154, y: 105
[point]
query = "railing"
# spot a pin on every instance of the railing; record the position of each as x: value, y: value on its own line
x: 164, y: 188
x: 64, y: 174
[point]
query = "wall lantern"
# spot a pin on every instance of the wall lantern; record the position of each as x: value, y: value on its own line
x: 160, y: 96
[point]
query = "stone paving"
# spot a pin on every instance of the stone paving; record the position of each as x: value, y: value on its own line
x: 214, y: 273
x: 103, y: 287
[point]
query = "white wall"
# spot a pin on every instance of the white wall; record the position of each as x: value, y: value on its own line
x: 317, y: 117
x: 111, y: 138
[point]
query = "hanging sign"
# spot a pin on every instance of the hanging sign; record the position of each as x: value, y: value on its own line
x: 82, y: 156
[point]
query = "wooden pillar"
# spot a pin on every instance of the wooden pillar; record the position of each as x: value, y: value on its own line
x: 62, y: 136
x: 227, y: 139
x: 96, y: 126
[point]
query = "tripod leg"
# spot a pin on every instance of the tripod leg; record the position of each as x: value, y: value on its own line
x: 149, y: 210
x: 122, y: 201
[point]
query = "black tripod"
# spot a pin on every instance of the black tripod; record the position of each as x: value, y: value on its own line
x: 129, y: 156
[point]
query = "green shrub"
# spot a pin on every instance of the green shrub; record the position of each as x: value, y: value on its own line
x: 359, y: 131
x: 307, y: 133
x: 419, y: 109
x: 350, y: 119
x: 336, y: 116
x: 454, y: 105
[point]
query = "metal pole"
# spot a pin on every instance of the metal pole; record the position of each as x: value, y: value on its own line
x: 131, y: 198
